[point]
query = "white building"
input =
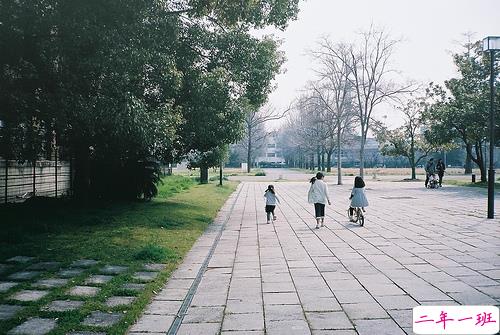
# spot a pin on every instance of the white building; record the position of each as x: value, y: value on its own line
x: 272, y: 152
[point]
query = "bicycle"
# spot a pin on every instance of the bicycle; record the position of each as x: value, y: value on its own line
x: 358, y: 216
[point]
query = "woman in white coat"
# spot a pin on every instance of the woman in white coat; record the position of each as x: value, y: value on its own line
x: 318, y: 195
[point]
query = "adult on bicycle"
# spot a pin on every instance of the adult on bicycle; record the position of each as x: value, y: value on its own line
x: 430, y: 170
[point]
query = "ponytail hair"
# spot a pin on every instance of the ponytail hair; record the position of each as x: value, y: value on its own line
x: 319, y: 176
x: 270, y: 188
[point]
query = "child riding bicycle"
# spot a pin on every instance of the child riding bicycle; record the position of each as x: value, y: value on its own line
x: 358, y: 197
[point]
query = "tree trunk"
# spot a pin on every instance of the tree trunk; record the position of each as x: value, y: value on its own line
x: 339, y: 166
x: 322, y: 161
x: 339, y: 155
x: 249, y: 151
x: 483, y: 173
x: 362, y: 156
x: 203, y: 175
x: 468, y: 160
x: 412, y: 159
x: 318, y: 153
x: 312, y: 162
x: 480, y: 161
x: 220, y: 173
x: 329, y: 160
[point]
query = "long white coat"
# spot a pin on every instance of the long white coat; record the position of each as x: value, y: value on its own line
x: 318, y: 193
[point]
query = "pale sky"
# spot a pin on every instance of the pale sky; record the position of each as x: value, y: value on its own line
x: 431, y: 30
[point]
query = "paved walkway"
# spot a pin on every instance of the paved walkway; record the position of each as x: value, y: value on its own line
x: 417, y: 247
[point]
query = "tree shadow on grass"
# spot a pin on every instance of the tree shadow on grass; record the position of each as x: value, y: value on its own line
x: 103, y: 231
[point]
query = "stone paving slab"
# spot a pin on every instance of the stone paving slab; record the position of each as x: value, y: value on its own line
x: 24, y: 275
x: 204, y: 315
x: 153, y: 324
x: 7, y: 285
x: 134, y: 287
x: 100, y: 319
x: 35, y: 326
x: 119, y: 301
x: 70, y: 273
x: 84, y: 263
x: 162, y: 307
x: 328, y: 320
x: 63, y: 306
x: 199, y: 329
x: 154, y: 267
x: 8, y: 311
x: 98, y: 279
x: 145, y: 276
x: 51, y: 283
x: 29, y: 295
x: 113, y: 269
x: 341, y: 279
x: 84, y: 291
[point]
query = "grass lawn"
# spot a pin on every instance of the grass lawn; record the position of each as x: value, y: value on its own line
x: 386, y: 172
x: 126, y: 234
x: 226, y: 172
x: 467, y: 183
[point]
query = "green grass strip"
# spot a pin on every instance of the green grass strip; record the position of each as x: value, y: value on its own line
x: 126, y: 233
x: 469, y: 184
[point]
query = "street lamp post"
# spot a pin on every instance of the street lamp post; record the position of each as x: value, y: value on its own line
x: 491, y: 43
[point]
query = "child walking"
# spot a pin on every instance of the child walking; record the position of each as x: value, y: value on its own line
x: 271, y: 202
x: 358, y: 197
x: 318, y: 195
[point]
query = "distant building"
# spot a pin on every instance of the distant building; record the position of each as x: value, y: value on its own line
x: 350, y: 153
x: 272, y: 153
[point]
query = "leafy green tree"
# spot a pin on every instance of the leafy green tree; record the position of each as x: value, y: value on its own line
x: 461, y: 110
x: 211, y: 158
x: 235, y: 76
x: 125, y: 81
x: 408, y: 140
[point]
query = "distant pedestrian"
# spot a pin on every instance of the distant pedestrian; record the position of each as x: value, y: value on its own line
x: 430, y: 170
x: 440, y: 167
x: 271, y: 202
x: 318, y: 195
x: 358, y: 196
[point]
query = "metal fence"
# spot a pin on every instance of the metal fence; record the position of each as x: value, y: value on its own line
x: 19, y: 181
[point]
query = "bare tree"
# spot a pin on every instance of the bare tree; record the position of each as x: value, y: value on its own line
x: 255, y: 133
x: 315, y: 120
x: 335, y: 92
x: 297, y: 138
x: 371, y: 76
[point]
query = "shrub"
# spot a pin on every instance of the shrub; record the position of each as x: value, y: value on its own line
x: 260, y: 173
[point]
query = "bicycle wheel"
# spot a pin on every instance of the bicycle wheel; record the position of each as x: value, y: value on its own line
x: 361, y: 217
x: 354, y: 217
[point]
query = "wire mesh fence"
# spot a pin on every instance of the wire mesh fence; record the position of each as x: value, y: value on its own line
x: 19, y: 181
